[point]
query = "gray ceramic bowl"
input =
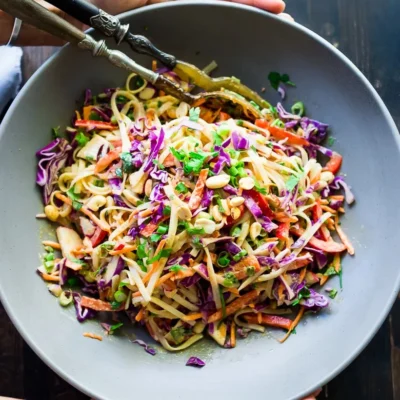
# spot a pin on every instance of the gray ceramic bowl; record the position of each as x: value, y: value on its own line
x: 247, y: 43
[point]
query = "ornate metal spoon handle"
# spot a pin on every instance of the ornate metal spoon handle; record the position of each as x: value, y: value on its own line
x: 111, y: 26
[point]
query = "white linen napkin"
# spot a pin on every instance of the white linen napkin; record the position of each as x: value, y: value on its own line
x: 10, y: 74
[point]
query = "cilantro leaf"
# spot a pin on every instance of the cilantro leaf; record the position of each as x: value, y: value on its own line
x: 56, y: 132
x: 162, y: 254
x: 126, y: 162
x: 180, y: 155
x: 259, y: 188
x: 176, y: 268
x: 333, y: 293
x: 194, y: 114
x: 115, y: 304
x: 331, y: 141
x: 181, y: 188
x: 76, y: 205
x: 275, y: 78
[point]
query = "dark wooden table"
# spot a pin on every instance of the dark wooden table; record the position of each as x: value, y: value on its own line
x: 368, y: 32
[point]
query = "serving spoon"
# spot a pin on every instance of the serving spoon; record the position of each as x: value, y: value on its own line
x: 110, y: 25
x: 34, y: 14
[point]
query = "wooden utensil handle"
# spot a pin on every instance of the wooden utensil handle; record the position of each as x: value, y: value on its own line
x: 36, y: 15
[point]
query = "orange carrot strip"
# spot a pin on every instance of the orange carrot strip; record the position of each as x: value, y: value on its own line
x: 197, y: 194
x: 336, y: 262
x: 236, y: 305
x: 294, y: 324
x: 323, y: 280
x: 154, y: 65
x: 86, y: 112
x: 149, y: 229
x: 299, y: 264
x: 169, y: 161
x: 240, y: 267
x: 331, y: 210
x: 49, y: 278
x: 92, y: 336
x: 343, y: 237
x: 302, y: 275
x: 52, y: 244
x: 233, y: 334
x: 164, y: 278
x: 87, y: 212
x: 139, y: 315
x: 193, y: 317
x: 330, y: 246
x: 95, y: 304
x: 234, y: 291
x: 270, y: 320
x: 124, y: 250
x: 183, y: 274
x: 105, y: 161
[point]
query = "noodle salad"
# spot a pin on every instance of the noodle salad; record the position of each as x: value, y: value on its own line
x: 190, y: 221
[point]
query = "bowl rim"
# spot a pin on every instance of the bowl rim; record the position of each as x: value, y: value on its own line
x: 368, y: 335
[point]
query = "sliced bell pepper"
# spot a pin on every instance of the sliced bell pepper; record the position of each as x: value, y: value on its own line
x: 281, y: 134
x: 283, y: 230
x: 87, y: 123
x: 334, y: 163
x: 329, y: 247
x: 270, y: 320
x: 98, y: 236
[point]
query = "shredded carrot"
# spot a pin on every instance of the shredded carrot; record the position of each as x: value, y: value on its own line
x: 86, y: 112
x: 155, y: 264
x: 105, y: 161
x: 52, y: 244
x: 49, y: 278
x: 234, y: 291
x: 294, y: 324
x: 233, y: 334
x: 193, y: 317
x: 149, y: 229
x: 342, y: 210
x: 92, y: 336
x: 236, y: 305
x: 165, y: 278
x: 270, y: 320
x: 140, y: 315
x: 183, y: 274
x: 169, y: 161
x: 87, y: 212
x: 124, y: 250
x: 169, y: 285
x: 316, y: 178
x: 96, y: 304
x: 336, y: 262
x: 154, y: 65
x: 323, y: 280
x: 302, y: 274
x: 329, y: 209
x: 343, y: 237
x: 197, y: 194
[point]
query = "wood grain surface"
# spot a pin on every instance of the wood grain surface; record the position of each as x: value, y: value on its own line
x: 368, y: 32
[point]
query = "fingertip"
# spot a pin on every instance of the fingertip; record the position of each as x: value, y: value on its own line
x: 286, y: 16
x: 273, y: 6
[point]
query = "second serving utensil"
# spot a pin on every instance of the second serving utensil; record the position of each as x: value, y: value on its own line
x: 34, y: 14
x: 111, y: 26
